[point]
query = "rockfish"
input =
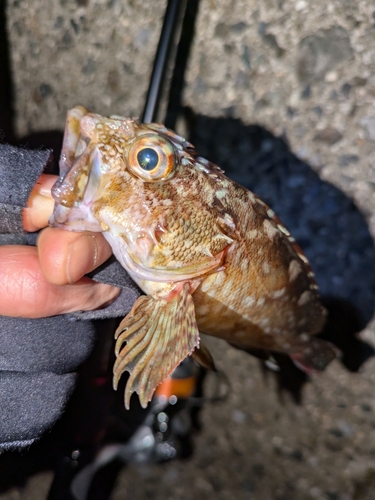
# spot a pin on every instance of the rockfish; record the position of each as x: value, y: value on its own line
x: 210, y: 255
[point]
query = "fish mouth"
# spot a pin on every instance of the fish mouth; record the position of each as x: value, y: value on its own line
x: 81, y: 182
x: 75, y: 192
x: 73, y: 219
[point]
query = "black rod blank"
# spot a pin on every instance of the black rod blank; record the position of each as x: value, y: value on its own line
x: 170, y: 25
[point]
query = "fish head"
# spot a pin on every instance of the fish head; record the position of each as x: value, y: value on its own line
x: 146, y: 190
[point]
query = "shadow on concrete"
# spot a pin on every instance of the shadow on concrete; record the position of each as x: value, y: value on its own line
x: 327, y: 225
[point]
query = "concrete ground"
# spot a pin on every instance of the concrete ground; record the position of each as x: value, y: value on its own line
x: 282, y: 94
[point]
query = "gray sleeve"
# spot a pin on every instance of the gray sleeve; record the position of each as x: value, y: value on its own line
x: 30, y: 404
x: 38, y: 361
x: 19, y: 171
x: 39, y: 357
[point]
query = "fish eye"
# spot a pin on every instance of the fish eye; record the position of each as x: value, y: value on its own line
x: 152, y: 158
x: 148, y: 159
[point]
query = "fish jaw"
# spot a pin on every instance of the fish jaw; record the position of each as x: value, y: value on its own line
x: 141, y: 272
x: 71, y: 138
x: 73, y: 200
x: 74, y: 219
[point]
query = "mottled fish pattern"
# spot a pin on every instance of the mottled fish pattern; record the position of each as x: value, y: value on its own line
x: 210, y: 255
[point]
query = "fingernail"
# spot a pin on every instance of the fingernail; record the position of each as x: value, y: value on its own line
x: 45, y: 184
x: 82, y: 257
x: 37, y: 213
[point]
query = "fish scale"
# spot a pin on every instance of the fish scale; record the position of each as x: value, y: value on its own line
x: 210, y: 255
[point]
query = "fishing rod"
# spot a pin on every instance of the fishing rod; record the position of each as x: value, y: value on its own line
x: 171, y: 24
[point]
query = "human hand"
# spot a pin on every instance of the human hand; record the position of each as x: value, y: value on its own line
x: 49, y: 280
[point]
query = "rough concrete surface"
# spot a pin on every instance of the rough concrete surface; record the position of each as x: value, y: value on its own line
x: 306, y: 72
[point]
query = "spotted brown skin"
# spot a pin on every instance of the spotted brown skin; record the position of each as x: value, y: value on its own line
x: 203, y: 248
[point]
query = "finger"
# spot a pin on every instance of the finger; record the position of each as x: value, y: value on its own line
x: 40, y: 204
x: 66, y: 256
x: 25, y: 292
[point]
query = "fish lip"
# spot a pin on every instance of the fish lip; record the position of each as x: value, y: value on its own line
x: 71, y: 219
x: 59, y: 216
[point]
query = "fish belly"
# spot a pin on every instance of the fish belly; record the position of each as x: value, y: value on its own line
x: 246, y: 308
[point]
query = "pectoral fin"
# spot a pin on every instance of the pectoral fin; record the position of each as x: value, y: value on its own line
x: 158, y: 334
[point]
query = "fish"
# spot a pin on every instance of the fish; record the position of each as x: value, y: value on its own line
x: 210, y: 256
